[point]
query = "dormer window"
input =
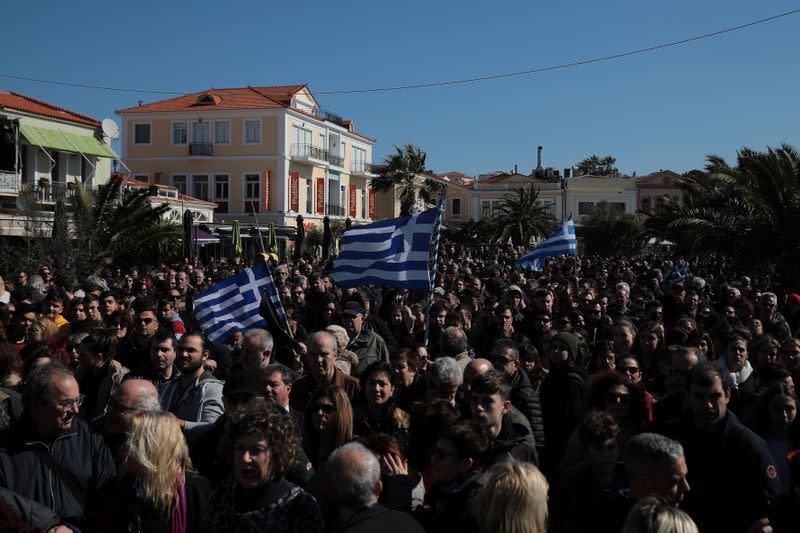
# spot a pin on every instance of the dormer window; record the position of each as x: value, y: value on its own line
x: 206, y: 99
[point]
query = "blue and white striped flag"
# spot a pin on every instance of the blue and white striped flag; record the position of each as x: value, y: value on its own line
x: 561, y: 242
x: 391, y: 252
x: 232, y: 304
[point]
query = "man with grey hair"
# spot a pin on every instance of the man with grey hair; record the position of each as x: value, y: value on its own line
x: 773, y: 320
x: 257, y: 347
x: 320, y: 371
x: 51, y: 456
x: 352, y: 486
x: 443, y: 379
x: 453, y: 343
x: 656, y: 466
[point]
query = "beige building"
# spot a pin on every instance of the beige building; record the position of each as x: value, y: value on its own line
x: 43, y: 149
x: 652, y: 188
x: 582, y: 193
x: 265, y: 150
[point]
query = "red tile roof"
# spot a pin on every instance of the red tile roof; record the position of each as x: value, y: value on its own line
x: 227, y: 99
x: 26, y: 104
x: 133, y: 182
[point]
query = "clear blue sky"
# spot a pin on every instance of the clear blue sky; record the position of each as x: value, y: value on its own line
x: 666, y: 109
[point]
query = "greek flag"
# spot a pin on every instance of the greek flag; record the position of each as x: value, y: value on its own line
x: 391, y: 252
x: 232, y: 304
x: 561, y: 242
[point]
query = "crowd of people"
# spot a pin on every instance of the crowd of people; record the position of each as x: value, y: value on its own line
x: 637, y: 395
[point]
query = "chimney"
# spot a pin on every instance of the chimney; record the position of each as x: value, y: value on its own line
x: 567, y: 172
x: 515, y: 169
x: 140, y: 102
x: 539, y: 172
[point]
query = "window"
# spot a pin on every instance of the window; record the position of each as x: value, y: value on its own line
x: 141, y: 134
x: 221, y: 192
x: 549, y: 206
x: 619, y: 207
x: 179, y: 135
x: 486, y: 209
x: 179, y: 182
x: 322, y: 143
x: 359, y: 159
x: 309, y: 196
x: 301, y: 141
x: 200, y: 187
x: 584, y: 208
x: 455, y: 209
x: 252, y: 131
x: 222, y: 132
x: 145, y: 178
x: 252, y: 193
x: 645, y: 204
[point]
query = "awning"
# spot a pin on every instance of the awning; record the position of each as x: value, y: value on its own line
x: 65, y: 142
x: 204, y: 237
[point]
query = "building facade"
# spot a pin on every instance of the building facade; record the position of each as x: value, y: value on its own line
x: 652, y: 188
x: 264, y: 151
x: 43, y: 149
x: 582, y: 193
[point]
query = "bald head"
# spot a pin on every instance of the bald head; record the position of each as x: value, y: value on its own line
x: 132, y: 395
x: 354, y: 477
x: 475, y: 368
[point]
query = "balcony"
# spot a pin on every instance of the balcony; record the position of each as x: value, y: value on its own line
x: 334, y: 210
x: 335, y: 160
x: 200, y: 149
x: 310, y: 153
x: 48, y: 192
x: 9, y: 182
x: 362, y: 168
x: 331, y: 117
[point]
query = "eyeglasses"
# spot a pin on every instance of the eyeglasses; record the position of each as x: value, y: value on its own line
x: 326, y: 408
x: 146, y: 320
x: 630, y: 370
x: 69, y: 402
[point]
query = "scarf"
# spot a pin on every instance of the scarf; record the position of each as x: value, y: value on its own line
x: 178, y: 521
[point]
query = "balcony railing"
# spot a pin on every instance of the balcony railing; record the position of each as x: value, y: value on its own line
x: 361, y: 167
x: 334, y: 210
x: 330, y: 117
x: 9, y: 182
x: 335, y: 160
x: 48, y: 192
x: 309, y: 151
x: 200, y: 149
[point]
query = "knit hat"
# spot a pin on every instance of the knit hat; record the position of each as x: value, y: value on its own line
x: 570, y: 340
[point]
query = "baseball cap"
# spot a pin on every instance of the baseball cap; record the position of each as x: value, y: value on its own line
x: 353, y: 309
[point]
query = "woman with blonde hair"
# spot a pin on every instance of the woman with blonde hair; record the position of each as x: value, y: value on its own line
x: 513, y: 499
x: 655, y: 515
x: 154, y: 490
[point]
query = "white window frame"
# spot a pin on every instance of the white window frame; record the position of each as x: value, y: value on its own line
x: 228, y: 123
x: 149, y: 125
x: 194, y: 193
x: 227, y: 197
x: 185, y: 133
x: 245, y: 196
x: 244, y: 132
x: 185, y: 183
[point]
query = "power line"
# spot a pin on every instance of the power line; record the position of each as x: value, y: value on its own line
x: 447, y: 82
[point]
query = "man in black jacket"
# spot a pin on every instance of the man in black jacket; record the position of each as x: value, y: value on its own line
x: 731, y: 472
x: 51, y: 456
x: 505, y: 358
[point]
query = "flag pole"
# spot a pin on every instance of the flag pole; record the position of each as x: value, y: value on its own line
x: 258, y: 227
x: 433, y: 268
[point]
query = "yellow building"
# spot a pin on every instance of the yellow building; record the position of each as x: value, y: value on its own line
x: 265, y: 150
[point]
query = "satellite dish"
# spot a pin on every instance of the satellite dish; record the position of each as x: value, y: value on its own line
x: 110, y: 128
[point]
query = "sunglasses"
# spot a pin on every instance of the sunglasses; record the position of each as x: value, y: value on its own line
x: 630, y: 370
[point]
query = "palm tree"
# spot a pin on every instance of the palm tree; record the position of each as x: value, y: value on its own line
x: 611, y: 233
x: 749, y: 213
x: 404, y: 173
x: 120, y: 225
x: 596, y: 166
x: 520, y: 217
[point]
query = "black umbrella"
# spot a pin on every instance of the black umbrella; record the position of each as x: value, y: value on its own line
x: 300, y: 240
x: 327, y: 238
x: 188, y: 234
